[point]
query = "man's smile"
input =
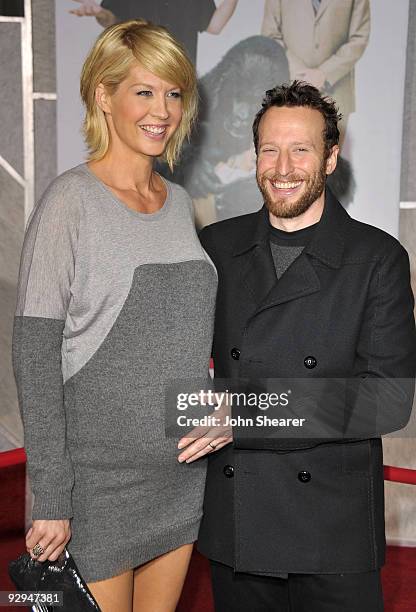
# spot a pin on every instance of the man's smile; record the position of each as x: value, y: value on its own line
x: 284, y: 188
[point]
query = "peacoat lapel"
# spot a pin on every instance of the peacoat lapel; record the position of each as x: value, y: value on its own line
x: 255, y: 262
x: 254, y: 259
x: 299, y: 280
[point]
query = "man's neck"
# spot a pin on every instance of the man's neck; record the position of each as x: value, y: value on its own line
x: 309, y: 217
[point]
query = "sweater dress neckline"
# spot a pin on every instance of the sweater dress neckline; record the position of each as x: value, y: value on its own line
x: 155, y: 216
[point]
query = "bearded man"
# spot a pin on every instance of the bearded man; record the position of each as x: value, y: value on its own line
x: 305, y: 292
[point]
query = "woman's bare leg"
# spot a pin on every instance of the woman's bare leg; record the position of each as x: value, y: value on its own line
x: 158, y: 584
x: 114, y: 594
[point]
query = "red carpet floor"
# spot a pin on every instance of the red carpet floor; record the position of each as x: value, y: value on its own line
x: 12, y: 520
x: 399, y: 580
x: 399, y: 574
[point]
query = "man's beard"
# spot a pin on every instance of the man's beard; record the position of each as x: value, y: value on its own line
x: 280, y: 207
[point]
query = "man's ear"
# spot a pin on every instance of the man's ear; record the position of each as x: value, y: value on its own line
x: 331, y: 162
x: 103, y: 99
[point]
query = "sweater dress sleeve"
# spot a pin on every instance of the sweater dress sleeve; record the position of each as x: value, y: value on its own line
x: 47, y: 270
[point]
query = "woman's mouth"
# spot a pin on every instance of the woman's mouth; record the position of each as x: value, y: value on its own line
x: 154, y: 132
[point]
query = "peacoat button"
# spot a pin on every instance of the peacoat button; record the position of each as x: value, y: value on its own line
x: 310, y: 362
x: 304, y: 476
x: 235, y: 353
x: 228, y: 471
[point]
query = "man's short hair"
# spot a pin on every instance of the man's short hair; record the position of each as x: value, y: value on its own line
x: 299, y: 93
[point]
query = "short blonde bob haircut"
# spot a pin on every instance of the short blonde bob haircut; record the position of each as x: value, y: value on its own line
x: 115, y: 51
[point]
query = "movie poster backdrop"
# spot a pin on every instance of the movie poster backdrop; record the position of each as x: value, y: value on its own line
x: 242, y: 48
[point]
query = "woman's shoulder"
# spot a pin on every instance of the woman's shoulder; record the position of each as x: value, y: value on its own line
x: 64, y: 195
x: 70, y: 183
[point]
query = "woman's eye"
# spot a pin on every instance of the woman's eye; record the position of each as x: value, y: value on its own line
x: 175, y: 94
x: 144, y: 92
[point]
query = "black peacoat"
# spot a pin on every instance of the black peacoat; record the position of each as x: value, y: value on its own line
x: 346, y: 302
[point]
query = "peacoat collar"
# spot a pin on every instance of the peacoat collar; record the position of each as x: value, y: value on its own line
x: 252, y: 248
x: 328, y: 241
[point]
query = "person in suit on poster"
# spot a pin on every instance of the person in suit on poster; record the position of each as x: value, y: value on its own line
x: 323, y: 40
x: 183, y: 18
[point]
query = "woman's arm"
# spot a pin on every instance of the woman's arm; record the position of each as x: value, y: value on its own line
x: 46, y: 273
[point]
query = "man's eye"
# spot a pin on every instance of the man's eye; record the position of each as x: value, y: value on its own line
x: 144, y: 92
x: 301, y: 149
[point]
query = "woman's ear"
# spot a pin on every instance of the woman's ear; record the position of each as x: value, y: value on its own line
x: 103, y: 99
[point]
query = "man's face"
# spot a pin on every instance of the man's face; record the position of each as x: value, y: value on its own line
x: 291, y: 166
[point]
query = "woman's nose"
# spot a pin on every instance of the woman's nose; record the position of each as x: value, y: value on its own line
x: 160, y: 108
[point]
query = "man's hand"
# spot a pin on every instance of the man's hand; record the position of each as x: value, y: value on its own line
x: 51, y: 535
x: 205, y: 440
x: 88, y: 8
x: 313, y: 76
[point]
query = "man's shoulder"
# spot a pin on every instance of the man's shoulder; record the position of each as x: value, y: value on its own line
x: 225, y: 233
x: 369, y: 241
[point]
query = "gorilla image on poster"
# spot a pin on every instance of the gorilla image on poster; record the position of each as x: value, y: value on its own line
x: 218, y: 167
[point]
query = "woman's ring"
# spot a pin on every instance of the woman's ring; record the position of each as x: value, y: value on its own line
x: 37, y: 550
x: 211, y: 445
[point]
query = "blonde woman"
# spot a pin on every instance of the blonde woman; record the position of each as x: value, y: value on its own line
x: 116, y: 298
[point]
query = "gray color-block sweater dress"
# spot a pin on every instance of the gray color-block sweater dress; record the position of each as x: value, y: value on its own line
x: 112, y: 305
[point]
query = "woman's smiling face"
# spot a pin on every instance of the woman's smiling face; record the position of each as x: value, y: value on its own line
x: 143, y: 113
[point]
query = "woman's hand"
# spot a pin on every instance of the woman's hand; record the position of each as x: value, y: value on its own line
x: 51, y: 535
x: 205, y: 440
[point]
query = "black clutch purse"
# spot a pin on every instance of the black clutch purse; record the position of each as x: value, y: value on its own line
x: 60, y: 575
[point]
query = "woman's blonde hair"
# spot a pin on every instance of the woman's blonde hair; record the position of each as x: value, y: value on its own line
x: 115, y: 51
